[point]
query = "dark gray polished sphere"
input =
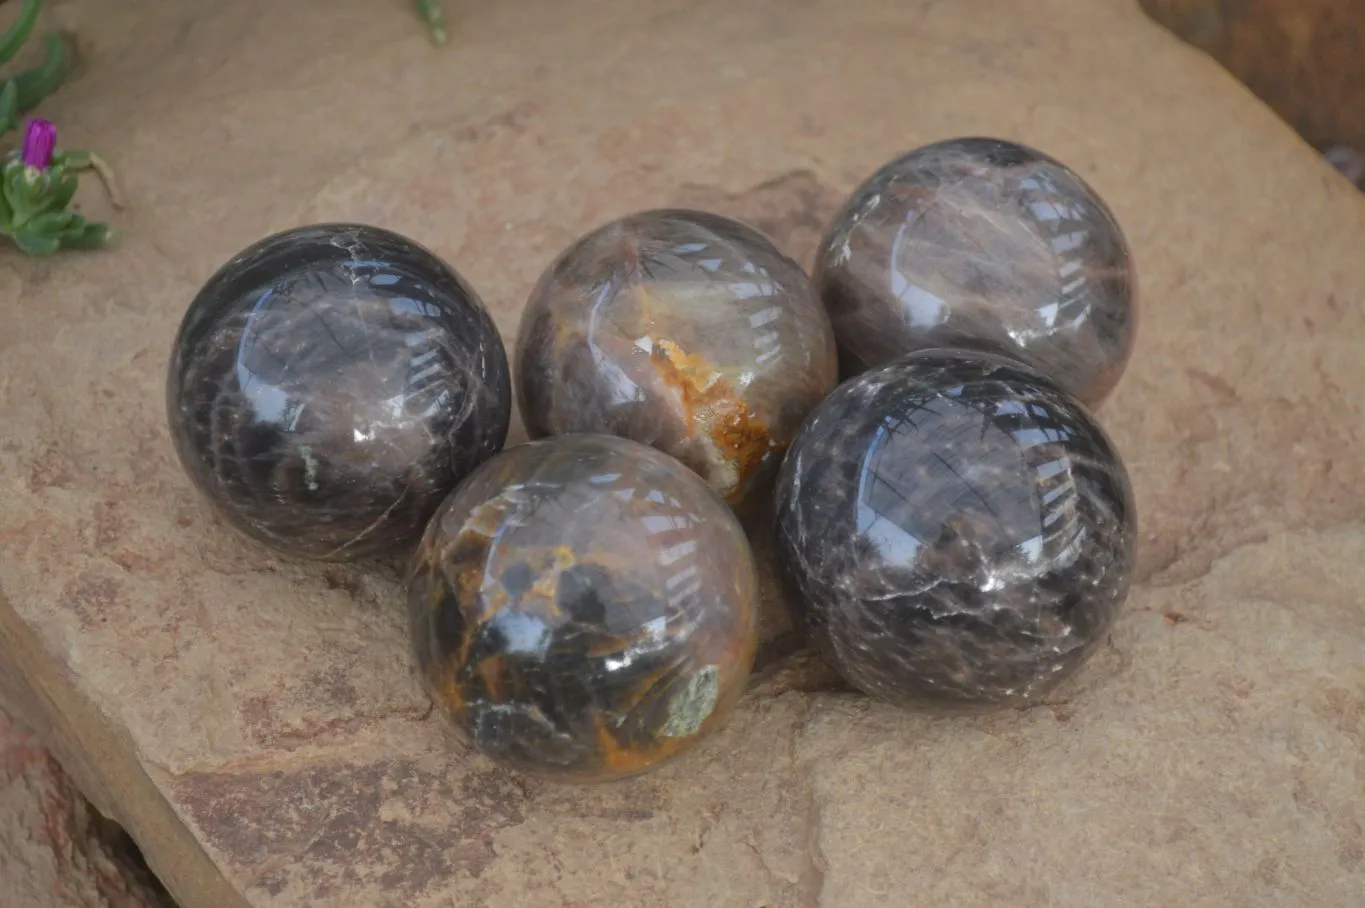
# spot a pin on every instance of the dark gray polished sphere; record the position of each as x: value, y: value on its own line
x: 330, y: 385
x: 985, y: 244
x: 958, y: 532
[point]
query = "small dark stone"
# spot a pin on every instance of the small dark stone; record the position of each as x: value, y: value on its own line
x: 958, y: 532
x: 330, y: 385
x: 984, y: 244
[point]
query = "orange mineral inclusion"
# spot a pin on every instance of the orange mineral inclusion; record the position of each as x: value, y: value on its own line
x: 711, y: 405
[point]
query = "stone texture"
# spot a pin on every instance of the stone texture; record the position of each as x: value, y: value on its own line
x: 328, y: 387
x: 1302, y: 57
x: 958, y: 532
x: 682, y: 330
x: 585, y: 608
x: 988, y: 244
x: 255, y: 722
x: 1348, y: 162
x: 55, y: 851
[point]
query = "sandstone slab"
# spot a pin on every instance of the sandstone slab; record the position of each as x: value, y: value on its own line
x: 255, y: 722
x: 1302, y: 57
x: 55, y: 851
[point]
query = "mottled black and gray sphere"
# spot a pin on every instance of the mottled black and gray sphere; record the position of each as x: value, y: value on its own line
x: 957, y: 530
x: 330, y: 385
x: 985, y: 244
x: 584, y: 608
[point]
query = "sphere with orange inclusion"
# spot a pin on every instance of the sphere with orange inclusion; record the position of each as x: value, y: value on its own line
x: 683, y: 330
x: 584, y: 608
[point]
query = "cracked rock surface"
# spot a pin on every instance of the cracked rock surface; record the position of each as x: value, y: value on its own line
x: 255, y: 722
x: 55, y: 850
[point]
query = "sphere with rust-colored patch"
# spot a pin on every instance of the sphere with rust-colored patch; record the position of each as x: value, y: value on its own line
x: 683, y: 330
x: 584, y: 607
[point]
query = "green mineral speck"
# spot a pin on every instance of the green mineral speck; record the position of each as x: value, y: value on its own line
x: 690, y: 706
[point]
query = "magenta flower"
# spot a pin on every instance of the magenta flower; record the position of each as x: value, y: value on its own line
x: 40, y: 137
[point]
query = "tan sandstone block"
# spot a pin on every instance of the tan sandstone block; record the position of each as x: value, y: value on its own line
x: 254, y: 721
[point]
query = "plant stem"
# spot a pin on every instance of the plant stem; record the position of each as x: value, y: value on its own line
x: 435, y: 19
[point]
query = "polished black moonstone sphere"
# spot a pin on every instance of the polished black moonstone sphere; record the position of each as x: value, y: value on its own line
x: 987, y: 244
x: 958, y: 531
x: 330, y: 385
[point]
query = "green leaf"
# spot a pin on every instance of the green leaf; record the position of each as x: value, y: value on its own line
x: 14, y: 185
x: 35, y: 243
x: 75, y: 159
x: 75, y: 228
x: 430, y: 10
x: 63, y: 190
x: 13, y: 39
x: 45, y: 78
x: 9, y: 106
x: 89, y: 236
x: 26, y: 191
x: 52, y: 223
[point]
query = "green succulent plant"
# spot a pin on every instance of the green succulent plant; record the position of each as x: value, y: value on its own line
x: 36, y: 188
x: 38, y: 181
x: 20, y: 93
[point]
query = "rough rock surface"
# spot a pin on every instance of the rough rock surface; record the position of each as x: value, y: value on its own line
x: 255, y: 722
x: 1302, y: 57
x: 55, y: 852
